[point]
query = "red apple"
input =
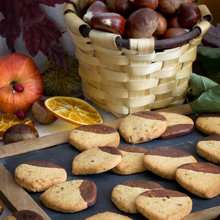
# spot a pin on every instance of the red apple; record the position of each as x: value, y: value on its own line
x: 19, y: 71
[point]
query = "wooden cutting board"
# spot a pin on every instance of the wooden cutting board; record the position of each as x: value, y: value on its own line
x: 62, y: 137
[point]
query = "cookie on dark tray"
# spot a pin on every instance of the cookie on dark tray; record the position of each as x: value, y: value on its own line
x: 108, y: 216
x: 90, y: 136
x: 132, y: 161
x: 37, y: 176
x: 177, y: 125
x: 142, y: 126
x: 208, y: 123
x: 164, y: 204
x: 96, y: 160
x: 24, y: 215
x: 201, y: 179
x: 71, y: 196
x: 209, y: 148
x: 124, y: 194
x: 164, y: 161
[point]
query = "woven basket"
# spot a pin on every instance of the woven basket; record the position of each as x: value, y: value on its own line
x: 126, y: 76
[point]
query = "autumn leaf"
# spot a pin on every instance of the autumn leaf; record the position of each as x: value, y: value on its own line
x: 39, y: 32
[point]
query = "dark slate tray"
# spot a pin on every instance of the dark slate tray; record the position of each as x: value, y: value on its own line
x: 63, y: 155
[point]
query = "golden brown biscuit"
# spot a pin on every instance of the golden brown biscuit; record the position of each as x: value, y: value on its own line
x: 24, y: 215
x: 124, y: 194
x: 90, y: 136
x: 142, y: 126
x: 209, y: 148
x: 96, y: 160
x: 132, y: 161
x: 164, y: 204
x: 71, y: 196
x: 164, y: 161
x: 108, y: 216
x: 201, y: 179
x: 177, y: 125
x: 208, y: 123
x: 38, y: 176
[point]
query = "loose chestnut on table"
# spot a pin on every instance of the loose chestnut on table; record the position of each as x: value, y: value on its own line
x: 95, y: 8
x: 189, y: 14
x: 108, y: 21
x: 142, y: 23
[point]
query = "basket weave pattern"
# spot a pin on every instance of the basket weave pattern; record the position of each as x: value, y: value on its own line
x: 124, y: 81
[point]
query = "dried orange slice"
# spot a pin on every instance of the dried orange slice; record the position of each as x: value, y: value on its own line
x: 73, y: 110
x: 9, y: 119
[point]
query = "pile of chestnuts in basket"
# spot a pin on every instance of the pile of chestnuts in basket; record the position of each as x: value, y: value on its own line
x: 161, y: 19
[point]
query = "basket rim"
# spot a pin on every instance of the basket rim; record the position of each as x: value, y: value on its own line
x: 158, y: 44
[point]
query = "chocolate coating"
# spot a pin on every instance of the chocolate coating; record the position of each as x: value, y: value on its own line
x: 133, y: 149
x: 111, y: 150
x: 163, y: 193
x: 201, y: 167
x: 143, y: 184
x: 98, y: 129
x: 214, y: 137
x: 174, y: 131
x: 217, y: 114
x: 27, y: 215
x: 42, y: 164
x: 168, y: 152
x: 150, y: 115
x: 88, y: 191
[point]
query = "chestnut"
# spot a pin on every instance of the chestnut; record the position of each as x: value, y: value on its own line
x: 95, y: 8
x: 41, y: 114
x: 108, y: 21
x: 167, y: 7
x: 142, y: 23
x: 189, y: 14
x: 19, y: 132
x: 162, y: 25
x: 146, y: 4
x: 84, y: 4
x: 174, y: 22
x: 173, y: 32
x: 186, y: 1
x: 124, y: 7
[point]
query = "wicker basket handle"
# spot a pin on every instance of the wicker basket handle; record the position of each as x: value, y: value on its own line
x: 81, y: 28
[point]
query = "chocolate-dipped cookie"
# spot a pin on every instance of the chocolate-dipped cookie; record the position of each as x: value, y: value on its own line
x: 209, y: 148
x: 142, y: 126
x: 164, y: 161
x: 37, y: 176
x: 90, y: 136
x: 96, y: 160
x: 164, y: 204
x: 108, y: 216
x: 24, y: 215
x: 132, y: 161
x: 201, y: 179
x: 208, y: 123
x: 124, y: 194
x: 177, y: 125
x: 71, y: 196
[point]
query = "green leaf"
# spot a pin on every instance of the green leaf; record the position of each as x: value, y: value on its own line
x: 210, y: 61
x: 200, y: 84
x: 208, y: 102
